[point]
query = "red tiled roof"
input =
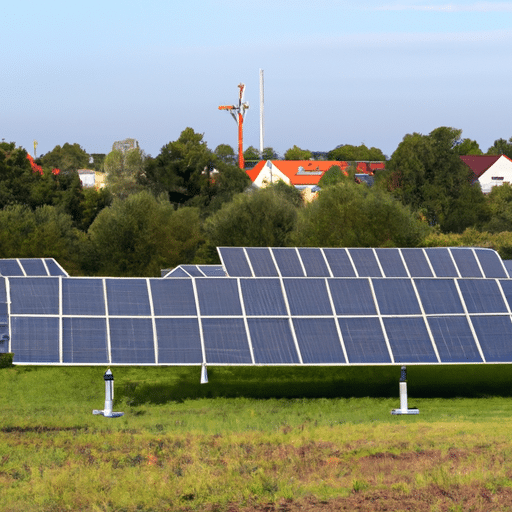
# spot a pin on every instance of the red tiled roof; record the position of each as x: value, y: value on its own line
x: 480, y: 163
x: 291, y: 169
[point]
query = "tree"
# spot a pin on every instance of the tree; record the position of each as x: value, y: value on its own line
x: 269, y: 154
x: 123, y: 171
x: 468, y: 147
x: 296, y: 153
x: 190, y: 174
x: 349, y: 215
x: 264, y: 217
x: 69, y: 157
x: 181, y: 168
x: 499, y: 202
x: 332, y: 176
x: 426, y: 173
x: 39, y: 233
x: 140, y: 235
x: 225, y: 153
x: 251, y: 154
x: 501, y: 147
x: 349, y: 153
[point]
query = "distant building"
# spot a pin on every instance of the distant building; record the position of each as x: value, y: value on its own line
x: 91, y: 179
x: 125, y: 145
x: 303, y: 173
x: 489, y: 170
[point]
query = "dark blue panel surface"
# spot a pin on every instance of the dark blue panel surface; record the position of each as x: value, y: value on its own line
x: 218, y: 297
x: 34, y: 266
x: 482, y: 296
x: 352, y: 297
x: 35, y: 296
x: 234, y: 261
x: 132, y: 341
x: 494, y: 334
x: 506, y: 285
x: 35, y: 339
x: 396, y: 297
x: 10, y: 268
x: 491, y: 263
x: 3, y: 292
x: 466, y: 262
x: 318, y: 340
x: 261, y: 261
x: 178, y: 341
x: 212, y: 270
x: 409, y: 340
x: 364, y: 340
x: 441, y: 261
x: 288, y: 262
x: 272, y: 341
x: 416, y: 262
x: 53, y: 268
x: 192, y: 270
x: 391, y: 262
x: 454, y: 340
x: 340, y: 263
x: 439, y: 296
x: 173, y: 297
x: 128, y: 297
x: 84, y: 340
x: 307, y: 297
x: 263, y: 297
x: 365, y: 262
x: 82, y: 296
x: 225, y: 341
x: 177, y: 272
x: 314, y: 262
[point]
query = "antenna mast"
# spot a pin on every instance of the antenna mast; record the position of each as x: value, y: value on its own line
x: 238, y: 113
x: 262, y: 113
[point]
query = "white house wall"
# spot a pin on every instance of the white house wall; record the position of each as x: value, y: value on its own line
x: 270, y: 175
x: 501, y: 169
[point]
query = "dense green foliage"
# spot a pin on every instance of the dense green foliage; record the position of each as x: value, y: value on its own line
x: 351, y: 215
x: 180, y: 205
x: 351, y: 153
x: 426, y: 173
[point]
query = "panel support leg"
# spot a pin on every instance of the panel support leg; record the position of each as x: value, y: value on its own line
x: 109, y: 397
x: 404, y: 409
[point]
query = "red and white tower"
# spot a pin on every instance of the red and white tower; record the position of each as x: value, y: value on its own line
x: 238, y: 113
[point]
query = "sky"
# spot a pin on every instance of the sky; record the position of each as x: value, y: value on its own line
x: 336, y: 71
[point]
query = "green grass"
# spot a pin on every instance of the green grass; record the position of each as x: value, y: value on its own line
x: 287, y: 437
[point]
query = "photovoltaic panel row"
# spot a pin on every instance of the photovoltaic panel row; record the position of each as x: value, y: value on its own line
x: 259, y: 321
x: 339, y: 340
x: 361, y: 262
x: 257, y: 297
x: 197, y: 271
x: 31, y: 267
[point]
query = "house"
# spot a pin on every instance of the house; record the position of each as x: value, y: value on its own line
x: 91, y: 179
x: 303, y: 173
x: 489, y: 170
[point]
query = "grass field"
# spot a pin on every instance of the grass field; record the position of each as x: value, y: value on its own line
x: 282, y: 439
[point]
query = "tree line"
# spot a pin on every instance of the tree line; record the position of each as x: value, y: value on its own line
x: 179, y: 206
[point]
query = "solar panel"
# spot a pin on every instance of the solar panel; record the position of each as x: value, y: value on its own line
x: 417, y: 262
x: 288, y: 262
x: 234, y: 261
x: 441, y: 262
x: 391, y: 262
x: 262, y: 262
x: 366, y: 263
x: 388, y: 307
x: 314, y: 262
x: 34, y: 267
x: 491, y: 263
x: 10, y: 268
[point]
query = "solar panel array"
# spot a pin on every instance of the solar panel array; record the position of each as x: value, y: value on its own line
x: 31, y: 267
x: 279, y: 306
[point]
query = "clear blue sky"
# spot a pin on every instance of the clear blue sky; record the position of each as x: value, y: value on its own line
x: 336, y: 72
